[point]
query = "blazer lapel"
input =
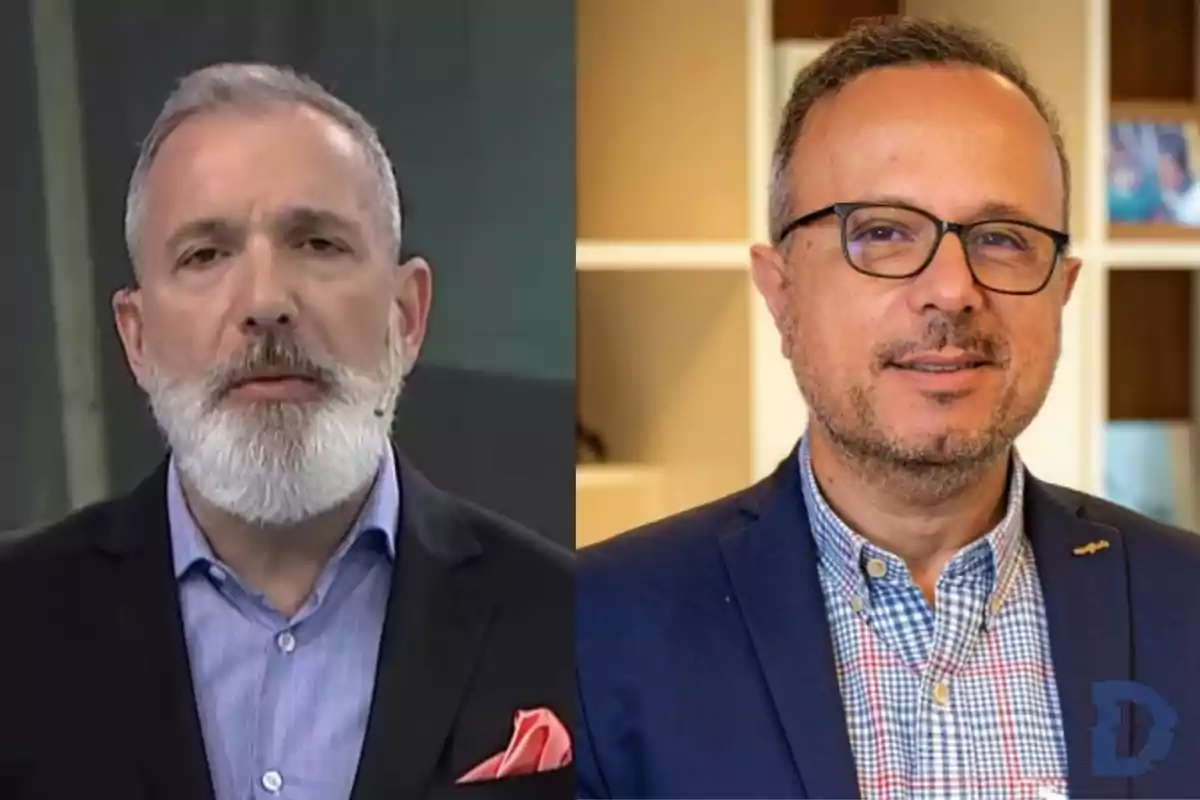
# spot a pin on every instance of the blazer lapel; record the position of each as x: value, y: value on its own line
x: 138, y: 627
x: 772, y: 565
x: 438, y: 614
x: 1088, y: 616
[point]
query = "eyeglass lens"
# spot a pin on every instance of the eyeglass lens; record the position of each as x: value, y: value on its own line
x: 896, y: 242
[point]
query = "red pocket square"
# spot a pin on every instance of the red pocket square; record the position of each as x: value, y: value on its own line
x: 539, y: 743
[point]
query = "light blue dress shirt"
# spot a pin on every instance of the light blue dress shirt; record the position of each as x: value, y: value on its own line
x: 283, y: 703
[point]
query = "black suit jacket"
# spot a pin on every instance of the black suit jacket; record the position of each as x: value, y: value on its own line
x: 96, y: 696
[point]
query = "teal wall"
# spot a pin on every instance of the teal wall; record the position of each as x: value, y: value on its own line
x: 475, y: 101
x: 494, y: 205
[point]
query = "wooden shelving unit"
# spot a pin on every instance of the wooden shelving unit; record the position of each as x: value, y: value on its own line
x: 659, y: 256
x: 679, y: 366
x: 614, y: 497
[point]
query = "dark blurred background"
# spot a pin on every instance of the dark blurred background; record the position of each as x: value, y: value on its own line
x: 474, y: 99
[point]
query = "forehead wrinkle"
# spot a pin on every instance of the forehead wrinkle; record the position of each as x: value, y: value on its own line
x: 190, y: 176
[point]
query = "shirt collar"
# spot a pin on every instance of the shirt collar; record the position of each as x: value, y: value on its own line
x: 380, y: 514
x: 845, y: 553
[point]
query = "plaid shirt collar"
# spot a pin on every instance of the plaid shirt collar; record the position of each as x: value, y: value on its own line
x: 845, y: 553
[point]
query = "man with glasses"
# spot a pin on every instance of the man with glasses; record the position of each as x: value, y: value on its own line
x: 901, y: 609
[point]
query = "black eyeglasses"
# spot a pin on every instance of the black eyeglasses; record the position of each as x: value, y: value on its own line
x: 896, y: 241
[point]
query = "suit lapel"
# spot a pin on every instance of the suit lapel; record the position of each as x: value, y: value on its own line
x: 137, y: 621
x: 1088, y: 615
x: 438, y: 614
x: 772, y: 567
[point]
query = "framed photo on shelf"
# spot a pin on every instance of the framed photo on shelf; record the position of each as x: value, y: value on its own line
x: 1154, y: 171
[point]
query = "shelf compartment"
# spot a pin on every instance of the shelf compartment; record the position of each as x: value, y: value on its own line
x: 612, y: 498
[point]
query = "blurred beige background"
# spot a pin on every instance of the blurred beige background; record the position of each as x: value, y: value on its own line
x: 678, y: 369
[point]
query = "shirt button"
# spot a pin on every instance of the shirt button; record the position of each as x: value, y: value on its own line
x: 216, y: 573
x: 857, y: 604
x: 941, y: 693
x: 876, y: 568
x: 286, y: 642
x: 272, y: 781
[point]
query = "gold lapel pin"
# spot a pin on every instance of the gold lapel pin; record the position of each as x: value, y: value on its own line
x: 1091, y: 548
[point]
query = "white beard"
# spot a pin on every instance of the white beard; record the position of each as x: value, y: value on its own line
x: 275, y: 464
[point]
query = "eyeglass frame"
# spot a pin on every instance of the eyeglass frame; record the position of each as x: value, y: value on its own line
x: 1062, y: 239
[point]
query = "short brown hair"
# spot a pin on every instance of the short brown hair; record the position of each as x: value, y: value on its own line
x: 895, y: 42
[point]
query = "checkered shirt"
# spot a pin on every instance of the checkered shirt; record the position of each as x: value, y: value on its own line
x: 959, y: 704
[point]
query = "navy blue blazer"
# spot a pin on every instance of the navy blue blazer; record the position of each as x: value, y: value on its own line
x: 706, y: 668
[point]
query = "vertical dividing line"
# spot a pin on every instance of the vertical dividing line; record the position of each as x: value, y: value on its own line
x: 1191, y: 498
x: 1193, y: 481
x: 69, y: 250
x: 760, y: 100
x: 1095, y: 226
x: 760, y: 116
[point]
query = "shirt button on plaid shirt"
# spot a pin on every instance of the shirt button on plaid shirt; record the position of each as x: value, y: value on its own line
x: 958, y: 703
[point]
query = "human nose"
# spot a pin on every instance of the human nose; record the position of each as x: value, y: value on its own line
x: 947, y: 282
x: 269, y: 304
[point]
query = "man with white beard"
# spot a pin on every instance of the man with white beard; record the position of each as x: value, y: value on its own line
x: 285, y: 607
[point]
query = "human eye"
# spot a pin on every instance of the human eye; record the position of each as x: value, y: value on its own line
x: 321, y: 245
x: 201, y: 256
x: 1002, y: 238
x: 881, y: 231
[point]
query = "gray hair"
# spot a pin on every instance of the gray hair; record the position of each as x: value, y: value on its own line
x: 257, y: 86
x: 895, y: 42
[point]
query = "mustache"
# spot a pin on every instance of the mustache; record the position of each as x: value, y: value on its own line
x: 946, y: 331
x: 273, y: 354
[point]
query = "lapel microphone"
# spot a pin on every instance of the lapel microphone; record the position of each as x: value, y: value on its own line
x: 389, y: 398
